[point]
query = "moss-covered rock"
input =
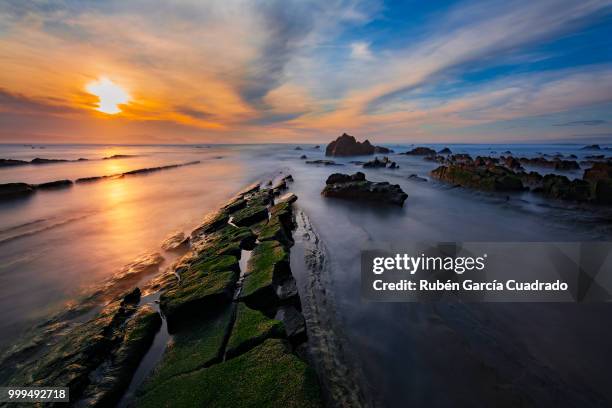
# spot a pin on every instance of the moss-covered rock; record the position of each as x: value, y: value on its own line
x: 268, y: 265
x: 197, y: 346
x: 491, y: 178
x: 70, y: 361
x: 250, y: 329
x: 203, y: 291
x: 211, y: 223
x: 250, y: 215
x: 115, y: 374
x: 279, y: 226
x: 267, y: 376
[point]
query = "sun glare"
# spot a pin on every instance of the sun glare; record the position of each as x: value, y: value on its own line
x: 110, y: 95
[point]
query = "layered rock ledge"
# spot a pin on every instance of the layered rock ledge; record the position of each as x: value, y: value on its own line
x: 238, y: 334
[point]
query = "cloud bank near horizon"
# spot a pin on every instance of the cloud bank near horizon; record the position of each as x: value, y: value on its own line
x: 294, y: 70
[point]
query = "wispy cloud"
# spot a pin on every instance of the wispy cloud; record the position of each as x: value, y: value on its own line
x: 228, y: 70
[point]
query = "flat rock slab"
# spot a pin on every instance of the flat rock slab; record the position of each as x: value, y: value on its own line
x: 268, y: 265
x: 198, y: 346
x: 250, y: 329
x: 267, y: 376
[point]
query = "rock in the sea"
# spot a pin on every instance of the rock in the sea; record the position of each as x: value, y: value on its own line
x: 420, y: 151
x: 600, y: 178
x: 561, y: 187
x: 446, y: 150
x: 347, y: 145
x: 591, y: 147
x: 12, y: 162
x: 303, y: 157
x: 324, y: 162
x: 174, y: 241
x: 356, y: 187
x: 15, y: 190
x: 494, y: 178
x: 416, y: 178
x: 52, y: 185
x: 385, y: 162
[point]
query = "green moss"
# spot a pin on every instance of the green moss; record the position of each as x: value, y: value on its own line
x: 267, y: 376
x: 250, y: 215
x: 198, y: 296
x: 278, y: 226
x: 197, y: 346
x: 251, y: 328
x: 269, y: 262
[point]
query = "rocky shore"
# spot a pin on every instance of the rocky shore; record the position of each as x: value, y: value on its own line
x: 231, y: 306
x: 10, y: 191
x: 507, y: 174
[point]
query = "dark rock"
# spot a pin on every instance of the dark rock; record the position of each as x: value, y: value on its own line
x: 591, y: 147
x: 595, y: 157
x: 566, y: 165
x: 561, y: 187
x: 383, y: 163
x: 511, y: 162
x: 293, y: 322
x: 298, y: 148
x: 11, y: 162
x: 317, y: 147
x: 446, y: 150
x: 38, y: 160
x: 324, y: 162
x: 416, y: 178
x: 421, y: 151
x: 54, y: 185
x: 15, y: 190
x: 347, y: 145
x: 600, y: 178
x: 495, y: 178
x: 356, y: 187
x: 303, y: 157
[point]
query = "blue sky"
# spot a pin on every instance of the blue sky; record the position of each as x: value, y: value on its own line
x: 307, y: 70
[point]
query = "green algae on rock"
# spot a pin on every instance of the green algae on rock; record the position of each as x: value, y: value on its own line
x: 269, y: 265
x: 251, y: 328
x: 267, y: 376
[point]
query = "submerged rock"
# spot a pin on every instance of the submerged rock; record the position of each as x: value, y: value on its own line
x: 12, y: 162
x: 54, y: 185
x: 356, y: 187
x: 15, y: 190
x: 324, y: 162
x: 347, y: 145
x: 446, y: 150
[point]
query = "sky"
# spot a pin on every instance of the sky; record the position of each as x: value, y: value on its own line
x: 237, y: 71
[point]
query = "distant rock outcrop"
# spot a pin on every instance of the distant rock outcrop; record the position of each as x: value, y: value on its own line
x: 420, y: 151
x: 347, y: 145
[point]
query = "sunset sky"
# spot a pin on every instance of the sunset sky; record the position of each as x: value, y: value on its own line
x: 233, y: 71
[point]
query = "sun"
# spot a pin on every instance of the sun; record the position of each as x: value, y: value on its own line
x: 110, y: 95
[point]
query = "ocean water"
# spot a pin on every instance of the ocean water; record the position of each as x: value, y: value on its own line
x: 57, y: 245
